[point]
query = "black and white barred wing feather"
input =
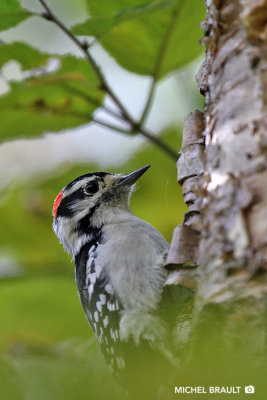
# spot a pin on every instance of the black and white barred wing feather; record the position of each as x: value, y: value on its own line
x: 101, y: 307
x: 139, y: 368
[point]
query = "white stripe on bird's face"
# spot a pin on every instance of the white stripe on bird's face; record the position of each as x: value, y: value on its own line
x: 79, y: 208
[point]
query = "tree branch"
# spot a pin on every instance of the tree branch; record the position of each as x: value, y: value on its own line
x: 172, y: 153
x: 113, y: 113
x: 49, y: 15
x: 144, y: 132
x: 112, y: 126
x: 84, y: 47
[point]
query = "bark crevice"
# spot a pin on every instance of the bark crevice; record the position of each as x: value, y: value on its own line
x: 224, y: 179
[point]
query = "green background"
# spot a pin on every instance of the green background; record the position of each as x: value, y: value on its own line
x: 47, y: 350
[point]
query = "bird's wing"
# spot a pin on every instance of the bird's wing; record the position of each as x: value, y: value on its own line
x: 100, y: 306
x: 138, y: 368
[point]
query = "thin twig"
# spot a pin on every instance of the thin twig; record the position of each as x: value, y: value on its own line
x: 172, y: 153
x: 49, y: 15
x: 144, y: 132
x: 112, y: 126
x: 132, y: 132
x: 113, y: 113
x: 158, y: 63
x: 84, y: 47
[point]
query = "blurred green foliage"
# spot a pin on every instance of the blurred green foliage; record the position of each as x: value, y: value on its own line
x: 47, y: 350
x: 107, y: 16
x: 27, y: 56
x: 149, y: 38
x: 45, y: 339
x: 63, y: 99
x: 138, y: 43
x: 11, y: 13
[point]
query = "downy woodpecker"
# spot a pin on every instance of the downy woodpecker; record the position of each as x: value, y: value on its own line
x: 118, y: 269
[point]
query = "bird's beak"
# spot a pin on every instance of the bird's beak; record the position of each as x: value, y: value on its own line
x: 130, y: 179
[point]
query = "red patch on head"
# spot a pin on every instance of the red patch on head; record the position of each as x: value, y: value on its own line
x: 57, y: 202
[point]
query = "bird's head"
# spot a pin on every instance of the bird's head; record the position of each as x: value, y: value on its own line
x: 88, y: 203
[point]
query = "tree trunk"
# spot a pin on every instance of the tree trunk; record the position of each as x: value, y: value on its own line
x: 227, y: 343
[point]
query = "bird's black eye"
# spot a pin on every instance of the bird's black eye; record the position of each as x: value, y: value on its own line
x: 91, y: 188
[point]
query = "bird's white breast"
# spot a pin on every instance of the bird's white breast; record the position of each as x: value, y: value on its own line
x: 131, y: 253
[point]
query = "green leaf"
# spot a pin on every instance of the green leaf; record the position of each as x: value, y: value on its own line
x: 97, y: 26
x: 27, y: 56
x: 107, y: 7
x: 173, y: 33
x: 64, y: 99
x: 11, y: 14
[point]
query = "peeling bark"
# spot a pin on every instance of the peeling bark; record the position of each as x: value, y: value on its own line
x: 224, y: 180
x: 233, y: 247
x: 185, y: 241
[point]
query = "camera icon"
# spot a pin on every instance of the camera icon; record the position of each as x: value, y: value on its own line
x: 249, y: 389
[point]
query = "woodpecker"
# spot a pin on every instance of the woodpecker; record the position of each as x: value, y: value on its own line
x: 118, y: 270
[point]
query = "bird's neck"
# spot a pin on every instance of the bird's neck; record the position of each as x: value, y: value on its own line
x: 75, y: 233
x: 110, y: 215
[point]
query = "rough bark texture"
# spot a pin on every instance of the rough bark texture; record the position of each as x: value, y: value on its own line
x: 184, y: 251
x: 233, y: 248
x: 229, y: 328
